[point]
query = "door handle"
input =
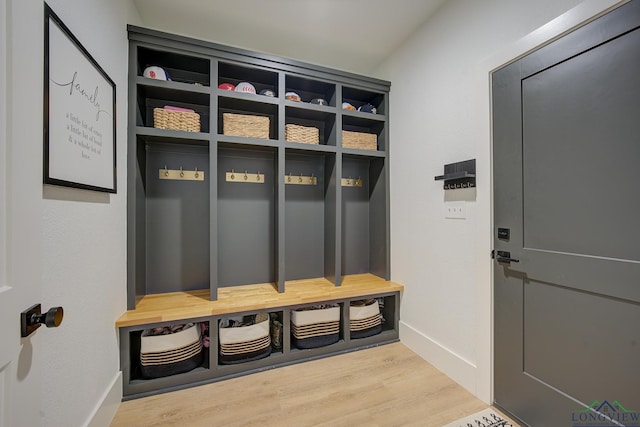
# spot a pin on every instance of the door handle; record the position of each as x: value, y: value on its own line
x: 505, y: 257
x: 32, y: 318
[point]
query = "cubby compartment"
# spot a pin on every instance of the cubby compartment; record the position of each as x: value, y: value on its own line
x: 324, y: 121
x: 373, y: 317
x: 246, y: 215
x: 249, y: 337
x: 172, y: 217
x: 310, y: 201
x: 165, y: 354
x: 317, y: 325
x: 150, y: 97
x: 369, y: 128
x: 242, y: 107
x: 180, y: 68
x: 359, y: 97
x: 261, y: 79
x: 311, y: 91
x: 364, y: 216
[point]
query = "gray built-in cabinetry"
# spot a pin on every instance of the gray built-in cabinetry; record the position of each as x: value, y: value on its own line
x: 186, y: 235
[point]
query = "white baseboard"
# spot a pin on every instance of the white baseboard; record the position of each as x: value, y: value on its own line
x: 451, y: 364
x: 108, y: 406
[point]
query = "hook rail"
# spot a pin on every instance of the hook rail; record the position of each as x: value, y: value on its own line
x: 300, y: 179
x: 350, y: 182
x: 245, y: 177
x: 181, y: 174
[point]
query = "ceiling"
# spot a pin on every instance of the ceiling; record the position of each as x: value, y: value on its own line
x: 352, y: 35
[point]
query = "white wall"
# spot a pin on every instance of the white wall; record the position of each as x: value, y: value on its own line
x: 440, y: 104
x: 83, y: 260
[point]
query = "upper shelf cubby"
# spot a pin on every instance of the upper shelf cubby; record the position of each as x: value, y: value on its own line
x: 262, y: 80
x: 367, y: 128
x: 178, y: 67
x: 309, y: 120
x: 150, y: 97
x: 359, y: 98
x: 312, y: 91
x: 245, y: 118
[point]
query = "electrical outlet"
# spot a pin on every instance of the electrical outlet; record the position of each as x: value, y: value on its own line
x: 455, y: 211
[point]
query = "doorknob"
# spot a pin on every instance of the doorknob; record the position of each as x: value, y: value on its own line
x: 505, y: 257
x: 32, y: 318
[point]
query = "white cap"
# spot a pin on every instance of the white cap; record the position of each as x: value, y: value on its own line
x: 245, y: 87
x: 154, y: 72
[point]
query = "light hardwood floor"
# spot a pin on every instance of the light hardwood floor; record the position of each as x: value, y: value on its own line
x: 384, y: 386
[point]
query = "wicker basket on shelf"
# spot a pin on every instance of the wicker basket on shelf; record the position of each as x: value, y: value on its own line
x: 245, y: 125
x: 251, y: 341
x: 165, y: 352
x: 176, y: 120
x: 365, y: 319
x: 315, y: 326
x: 360, y: 140
x: 303, y: 134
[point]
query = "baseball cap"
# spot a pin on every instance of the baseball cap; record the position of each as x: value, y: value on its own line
x: 319, y: 101
x: 245, y: 87
x: 226, y: 86
x: 368, y: 108
x: 155, y: 72
x: 267, y: 92
x: 292, y: 96
x: 347, y: 106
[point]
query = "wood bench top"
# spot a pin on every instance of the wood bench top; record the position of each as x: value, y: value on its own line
x: 193, y: 304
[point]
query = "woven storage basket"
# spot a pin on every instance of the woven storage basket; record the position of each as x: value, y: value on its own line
x: 245, y: 125
x: 245, y: 343
x: 364, y: 318
x: 315, y: 328
x: 176, y: 120
x: 164, y: 355
x: 360, y: 140
x: 310, y: 317
x: 303, y: 134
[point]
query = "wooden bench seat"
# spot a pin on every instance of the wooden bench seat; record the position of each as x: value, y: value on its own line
x: 194, y: 304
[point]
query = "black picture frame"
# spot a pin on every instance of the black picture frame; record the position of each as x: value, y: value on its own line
x: 79, y: 113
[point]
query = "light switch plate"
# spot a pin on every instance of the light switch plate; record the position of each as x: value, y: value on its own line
x: 455, y: 211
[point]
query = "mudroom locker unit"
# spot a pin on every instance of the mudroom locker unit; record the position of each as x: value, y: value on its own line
x: 258, y: 217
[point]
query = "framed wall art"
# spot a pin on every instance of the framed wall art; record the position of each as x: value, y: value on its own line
x: 79, y: 113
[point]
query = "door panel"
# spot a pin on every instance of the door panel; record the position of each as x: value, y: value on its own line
x: 20, y: 212
x: 9, y: 340
x: 580, y: 342
x: 583, y: 200
x: 566, y: 130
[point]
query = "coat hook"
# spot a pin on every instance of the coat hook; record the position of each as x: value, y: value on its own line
x: 166, y: 171
x: 289, y: 177
x: 245, y: 175
x: 196, y: 174
x: 233, y: 176
x: 258, y: 176
x: 300, y: 179
x: 181, y: 172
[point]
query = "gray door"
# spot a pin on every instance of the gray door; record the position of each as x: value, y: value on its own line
x: 567, y: 188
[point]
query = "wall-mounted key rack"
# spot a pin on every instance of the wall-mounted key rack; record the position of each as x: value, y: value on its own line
x: 459, y: 175
x: 245, y: 177
x: 300, y: 179
x: 180, y: 174
x: 350, y: 182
